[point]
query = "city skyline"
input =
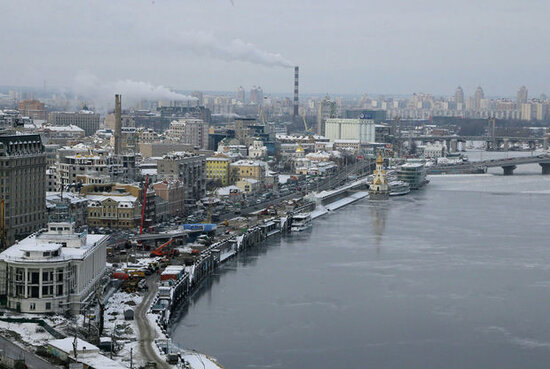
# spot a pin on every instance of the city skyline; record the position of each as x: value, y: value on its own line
x: 401, y: 48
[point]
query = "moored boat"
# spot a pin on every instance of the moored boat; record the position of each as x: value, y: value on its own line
x: 398, y: 188
x: 300, y: 222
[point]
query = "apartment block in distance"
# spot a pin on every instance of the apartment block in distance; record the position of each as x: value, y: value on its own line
x: 85, y: 119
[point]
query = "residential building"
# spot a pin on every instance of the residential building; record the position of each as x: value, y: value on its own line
x: 218, y: 168
x: 434, y: 151
x: 173, y: 193
x: 33, y: 109
x: 188, y: 167
x: 258, y: 150
x: 85, y: 119
x: 62, y: 135
x: 249, y: 169
x: 64, y: 206
x: 189, y: 131
x: 248, y: 185
x: 52, y: 271
x: 117, y: 205
x: 325, y: 110
x: 22, y: 185
x: 522, y: 95
x: 160, y: 148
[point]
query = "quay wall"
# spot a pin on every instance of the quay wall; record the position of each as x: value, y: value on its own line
x: 214, y: 256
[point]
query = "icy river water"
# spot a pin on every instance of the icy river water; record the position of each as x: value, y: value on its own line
x: 456, y: 275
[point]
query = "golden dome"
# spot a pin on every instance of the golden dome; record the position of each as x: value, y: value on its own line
x: 379, y: 160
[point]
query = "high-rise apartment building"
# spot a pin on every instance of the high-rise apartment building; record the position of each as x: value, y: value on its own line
x: 22, y: 185
x: 325, y: 110
x: 459, y: 97
x: 522, y: 95
x: 478, y: 96
x: 85, y: 119
x: 256, y: 95
x: 241, y: 95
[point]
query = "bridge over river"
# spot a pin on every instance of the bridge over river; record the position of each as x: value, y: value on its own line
x: 508, y: 165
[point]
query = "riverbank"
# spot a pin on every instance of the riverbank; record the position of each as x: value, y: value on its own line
x: 220, y: 252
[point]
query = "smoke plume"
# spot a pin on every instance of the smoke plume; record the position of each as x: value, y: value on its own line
x: 206, y: 44
x: 102, y: 92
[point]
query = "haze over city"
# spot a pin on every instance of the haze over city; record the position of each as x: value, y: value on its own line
x: 209, y: 184
x: 345, y: 47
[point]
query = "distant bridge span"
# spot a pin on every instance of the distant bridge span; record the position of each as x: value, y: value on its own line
x: 508, y: 165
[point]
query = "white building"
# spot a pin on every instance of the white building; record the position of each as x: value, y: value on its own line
x: 190, y: 131
x: 434, y: 151
x: 52, y: 271
x: 257, y: 150
x: 350, y: 129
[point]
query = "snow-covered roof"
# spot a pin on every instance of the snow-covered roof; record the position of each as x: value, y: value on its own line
x: 225, y: 191
x: 48, y: 241
x: 72, y: 197
x: 87, y: 353
x: 119, y: 199
x: 69, y: 128
x: 250, y: 163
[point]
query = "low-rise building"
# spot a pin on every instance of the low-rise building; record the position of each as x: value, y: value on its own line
x: 258, y: 150
x: 248, y: 185
x: 117, y: 205
x: 67, y: 206
x: 173, y: 193
x: 52, y: 271
x: 249, y: 169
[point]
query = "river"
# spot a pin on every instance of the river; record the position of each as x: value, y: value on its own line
x: 456, y: 275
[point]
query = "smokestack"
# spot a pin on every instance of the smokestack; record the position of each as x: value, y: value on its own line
x: 118, y: 124
x: 296, y: 73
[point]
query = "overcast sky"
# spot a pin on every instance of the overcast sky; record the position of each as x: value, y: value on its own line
x: 341, y: 46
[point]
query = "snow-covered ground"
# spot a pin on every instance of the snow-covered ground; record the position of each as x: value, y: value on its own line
x: 30, y: 333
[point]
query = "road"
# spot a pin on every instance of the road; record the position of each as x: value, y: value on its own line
x: 147, y: 333
x: 31, y: 360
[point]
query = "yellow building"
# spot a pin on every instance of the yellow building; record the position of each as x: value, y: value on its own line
x: 218, y: 169
x: 117, y: 205
x: 249, y: 169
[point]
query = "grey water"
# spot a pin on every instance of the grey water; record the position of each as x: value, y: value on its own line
x: 456, y: 275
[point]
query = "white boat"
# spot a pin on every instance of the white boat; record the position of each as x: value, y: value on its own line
x: 301, y: 222
x: 398, y: 188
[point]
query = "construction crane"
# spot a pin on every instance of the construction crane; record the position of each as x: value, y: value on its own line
x: 160, y: 251
x: 262, y: 117
x: 309, y: 131
x: 143, y: 204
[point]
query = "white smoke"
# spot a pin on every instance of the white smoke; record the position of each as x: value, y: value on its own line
x: 102, y: 92
x: 206, y: 44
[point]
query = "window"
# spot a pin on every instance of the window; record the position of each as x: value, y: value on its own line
x: 32, y: 306
x: 48, y: 305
